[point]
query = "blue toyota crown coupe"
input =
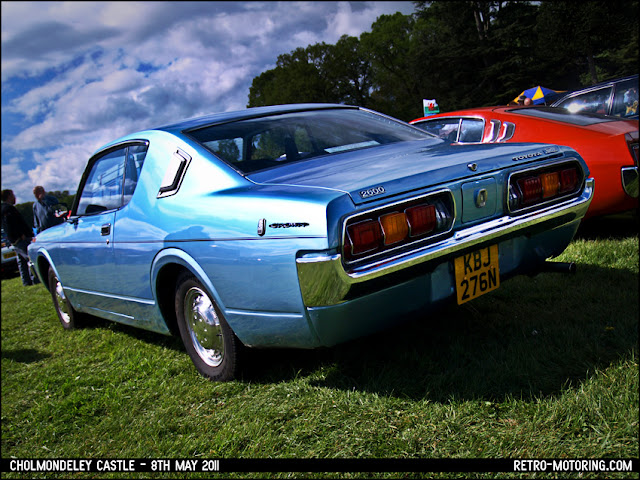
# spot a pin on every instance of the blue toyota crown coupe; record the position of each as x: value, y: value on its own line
x: 300, y: 226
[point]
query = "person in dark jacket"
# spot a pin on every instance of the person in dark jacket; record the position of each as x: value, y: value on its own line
x: 43, y: 214
x: 19, y: 234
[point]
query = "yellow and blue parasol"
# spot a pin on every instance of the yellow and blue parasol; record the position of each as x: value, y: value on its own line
x: 539, y: 94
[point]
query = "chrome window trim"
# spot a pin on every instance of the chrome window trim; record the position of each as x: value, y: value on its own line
x: 184, y: 160
x: 495, y: 129
x: 508, y: 129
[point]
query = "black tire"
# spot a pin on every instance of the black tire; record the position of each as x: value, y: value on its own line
x: 213, y: 347
x: 68, y: 316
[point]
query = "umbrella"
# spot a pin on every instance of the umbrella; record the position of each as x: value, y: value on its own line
x: 539, y: 94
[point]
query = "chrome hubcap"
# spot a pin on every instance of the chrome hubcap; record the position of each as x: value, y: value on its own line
x: 204, y: 327
x: 61, y: 300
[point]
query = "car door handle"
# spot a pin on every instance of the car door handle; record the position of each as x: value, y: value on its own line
x: 106, y: 229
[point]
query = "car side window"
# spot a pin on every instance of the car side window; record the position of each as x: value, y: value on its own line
x: 445, y: 128
x: 596, y: 101
x: 111, y: 180
x: 625, y: 100
x: 229, y: 149
x: 471, y: 130
x: 133, y: 166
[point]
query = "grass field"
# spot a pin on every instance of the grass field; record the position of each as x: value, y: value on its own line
x: 544, y: 367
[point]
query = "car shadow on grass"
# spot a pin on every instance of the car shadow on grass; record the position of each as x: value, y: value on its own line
x: 617, y: 226
x: 167, y: 341
x: 509, y: 343
x: 25, y: 355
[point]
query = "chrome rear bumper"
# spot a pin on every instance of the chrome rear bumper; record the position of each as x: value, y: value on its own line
x: 324, y: 282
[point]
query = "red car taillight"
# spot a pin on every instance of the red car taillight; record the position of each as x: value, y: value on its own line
x: 396, y: 226
x: 366, y: 237
x: 540, y: 186
x: 422, y: 219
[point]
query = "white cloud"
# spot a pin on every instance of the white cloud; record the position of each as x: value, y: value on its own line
x: 199, y: 58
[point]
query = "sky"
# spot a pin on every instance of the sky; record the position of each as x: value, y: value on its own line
x: 77, y: 75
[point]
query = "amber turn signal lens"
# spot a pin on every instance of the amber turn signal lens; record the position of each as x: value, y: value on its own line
x: 550, y: 184
x: 395, y: 227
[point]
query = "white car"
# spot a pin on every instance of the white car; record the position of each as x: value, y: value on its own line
x: 9, y: 260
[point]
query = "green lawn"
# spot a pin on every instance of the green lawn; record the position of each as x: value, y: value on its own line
x: 544, y: 367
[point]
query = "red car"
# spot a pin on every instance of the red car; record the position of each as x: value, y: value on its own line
x: 609, y: 145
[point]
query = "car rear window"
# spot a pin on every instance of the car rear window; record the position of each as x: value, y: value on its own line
x: 266, y: 142
x: 562, y: 115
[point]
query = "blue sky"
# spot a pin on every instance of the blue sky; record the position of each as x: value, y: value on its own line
x: 76, y: 75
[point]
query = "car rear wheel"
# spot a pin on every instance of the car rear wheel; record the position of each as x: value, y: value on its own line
x: 68, y: 316
x: 210, y: 342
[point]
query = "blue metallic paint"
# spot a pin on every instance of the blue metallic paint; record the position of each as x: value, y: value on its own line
x: 209, y: 227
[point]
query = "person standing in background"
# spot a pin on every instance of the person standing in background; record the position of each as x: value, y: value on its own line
x: 43, y: 210
x: 19, y: 234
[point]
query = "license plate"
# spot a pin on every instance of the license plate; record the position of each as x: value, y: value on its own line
x: 8, y: 255
x: 477, y: 273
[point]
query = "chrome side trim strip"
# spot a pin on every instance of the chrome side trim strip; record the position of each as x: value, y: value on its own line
x: 324, y: 282
x: 143, y: 301
x: 495, y: 128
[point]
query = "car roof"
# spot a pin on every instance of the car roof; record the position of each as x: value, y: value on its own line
x: 224, y: 117
x: 594, y: 87
x: 607, y: 82
x: 536, y: 112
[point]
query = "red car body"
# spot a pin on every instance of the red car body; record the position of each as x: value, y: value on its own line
x: 609, y: 145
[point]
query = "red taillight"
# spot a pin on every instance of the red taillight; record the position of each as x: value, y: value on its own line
x: 568, y: 179
x: 422, y: 219
x: 546, y: 184
x: 365, y: 236
x: 531, y: 188
x: 396, y: 226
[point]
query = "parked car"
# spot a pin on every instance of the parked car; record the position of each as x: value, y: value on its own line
x: 616, y: 97
x: 300, y: 226
x: 609, y: 145
x: 9, y: 258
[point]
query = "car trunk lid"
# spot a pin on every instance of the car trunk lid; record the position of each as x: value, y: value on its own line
x: 374, y: 173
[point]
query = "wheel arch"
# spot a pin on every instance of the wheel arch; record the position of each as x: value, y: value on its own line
x: 166, y: 268
x: 41, y: 266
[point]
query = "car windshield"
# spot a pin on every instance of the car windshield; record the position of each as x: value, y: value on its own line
x: 266, y: 142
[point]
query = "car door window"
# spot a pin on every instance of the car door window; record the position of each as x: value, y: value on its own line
x: 111, y: 180
x: 445, y: 128
x: 471, y: 130
x: 625, y: 103
x: 596, y: 101
x: 133, y: 166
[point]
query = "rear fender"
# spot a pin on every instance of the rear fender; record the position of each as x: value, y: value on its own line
x: 175, y: 256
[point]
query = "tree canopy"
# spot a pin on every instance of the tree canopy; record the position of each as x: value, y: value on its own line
x: 461, y: 53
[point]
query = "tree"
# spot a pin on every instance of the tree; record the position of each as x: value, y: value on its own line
x: 599, y: 39
x: 463, y: 53
x: 299, y: 77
